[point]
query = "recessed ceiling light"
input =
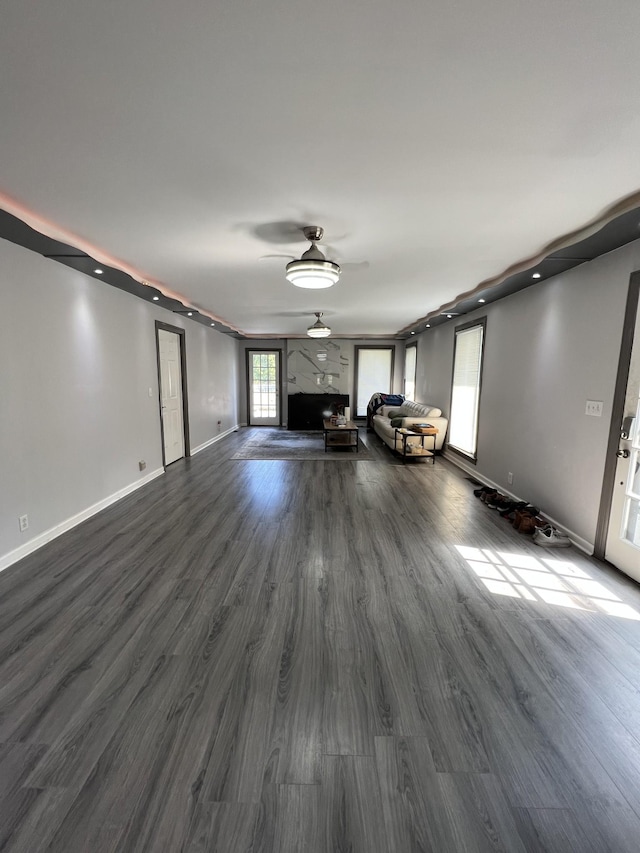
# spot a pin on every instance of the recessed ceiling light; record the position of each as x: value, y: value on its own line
x: 189, y: 313
x: 482, y: 300
x: 413, y: 333
x: 449, y: 316
x: 98, y: 272
x: 428, y: 326
x: 156, y: 298
x: 213, y: 324
x: 536, y: 275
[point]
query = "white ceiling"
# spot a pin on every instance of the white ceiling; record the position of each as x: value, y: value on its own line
x: 442, y: 143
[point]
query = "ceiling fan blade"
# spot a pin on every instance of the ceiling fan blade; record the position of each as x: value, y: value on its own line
x: 269, y: 257
x: 354, y: 266
x: 280, y: 232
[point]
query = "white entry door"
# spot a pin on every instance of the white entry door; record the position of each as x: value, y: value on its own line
x: 171, y: 395
x: 263, y: 367
x: 623, y: 538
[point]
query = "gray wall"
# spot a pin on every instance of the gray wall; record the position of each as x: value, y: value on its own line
x: 77, y: 360
x: 548, y: 350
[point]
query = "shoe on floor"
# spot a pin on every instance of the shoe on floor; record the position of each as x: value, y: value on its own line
x: 480, y: 492
x: 508, y: 510
x: 529, y: 523
x: 497, y: 501
x: 549, y: 537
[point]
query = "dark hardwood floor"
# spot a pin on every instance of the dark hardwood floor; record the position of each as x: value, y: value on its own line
x: 315, y: 656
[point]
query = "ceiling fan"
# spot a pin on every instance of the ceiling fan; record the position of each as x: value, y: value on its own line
x: 313, y: 270
x: 319, y: 329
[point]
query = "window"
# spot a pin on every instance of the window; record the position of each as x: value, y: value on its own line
x: 465, y: 388
x: 374, y: 373
x: 410, y: 360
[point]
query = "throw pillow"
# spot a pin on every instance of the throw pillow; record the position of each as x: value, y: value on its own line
x: 393, y: 413
x: 396, y: 423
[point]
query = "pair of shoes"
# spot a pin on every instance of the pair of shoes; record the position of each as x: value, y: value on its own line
x: 506, y: 505
x: 508, y: 511
x: 549, y: 537
x: 525, y: 512
x: 481, y: 491
x: 496, y: 501
x: 530, y: 523
x: 487, y: 496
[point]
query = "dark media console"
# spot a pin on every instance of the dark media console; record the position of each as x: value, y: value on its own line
x: 306, y: 411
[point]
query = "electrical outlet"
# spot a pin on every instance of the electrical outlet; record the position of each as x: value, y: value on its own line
x: 142, y: 464
x: 510, y: 478
x: 594, y: 408
x: 23, y: 521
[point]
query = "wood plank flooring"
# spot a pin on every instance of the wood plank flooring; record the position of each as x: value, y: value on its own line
x: 331, y: 657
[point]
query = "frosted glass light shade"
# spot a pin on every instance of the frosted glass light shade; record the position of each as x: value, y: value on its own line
x: 313, y: 274
x: 320, y: 331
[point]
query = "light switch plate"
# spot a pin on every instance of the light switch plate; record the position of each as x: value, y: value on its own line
x: 594, y: 408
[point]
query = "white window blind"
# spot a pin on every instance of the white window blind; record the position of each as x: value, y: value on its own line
x: 374, y: 374
x: 465, y: 393
x: 410, y: 372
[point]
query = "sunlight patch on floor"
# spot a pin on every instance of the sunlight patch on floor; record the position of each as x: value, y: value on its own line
x: 557, y: 582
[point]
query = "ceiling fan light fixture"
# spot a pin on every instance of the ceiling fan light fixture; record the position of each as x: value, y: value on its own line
x: 319, y: 329
x: 313, y: 271
x: 313, y: 274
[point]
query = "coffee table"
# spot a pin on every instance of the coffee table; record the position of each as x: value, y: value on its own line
x: 340, y: 436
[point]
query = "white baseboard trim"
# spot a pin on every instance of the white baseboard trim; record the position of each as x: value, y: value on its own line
x: 580, y: 543
x: 213, y: 440
x: 32, y: 545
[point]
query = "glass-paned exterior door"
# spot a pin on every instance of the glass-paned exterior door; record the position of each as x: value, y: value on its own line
x: 264, y: 387
x: 623, y: 539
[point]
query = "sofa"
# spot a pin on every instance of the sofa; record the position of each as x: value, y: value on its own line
x: 388, y: 418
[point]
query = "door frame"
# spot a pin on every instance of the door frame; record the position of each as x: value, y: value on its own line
x: 248, y: 352
x: 356, y: 358
x: 182, y: 338
x: 617, y: 414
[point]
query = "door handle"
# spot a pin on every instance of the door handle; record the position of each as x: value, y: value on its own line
x: 627, y: 427
x: 623, y: 454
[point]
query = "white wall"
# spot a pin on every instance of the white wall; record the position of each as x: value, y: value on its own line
x: 548, y: 349
x: 77, y: 360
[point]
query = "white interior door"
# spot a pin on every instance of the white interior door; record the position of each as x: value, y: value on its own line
x: 171, y: 395
x: 264, y: 387
x: 623, y: 537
